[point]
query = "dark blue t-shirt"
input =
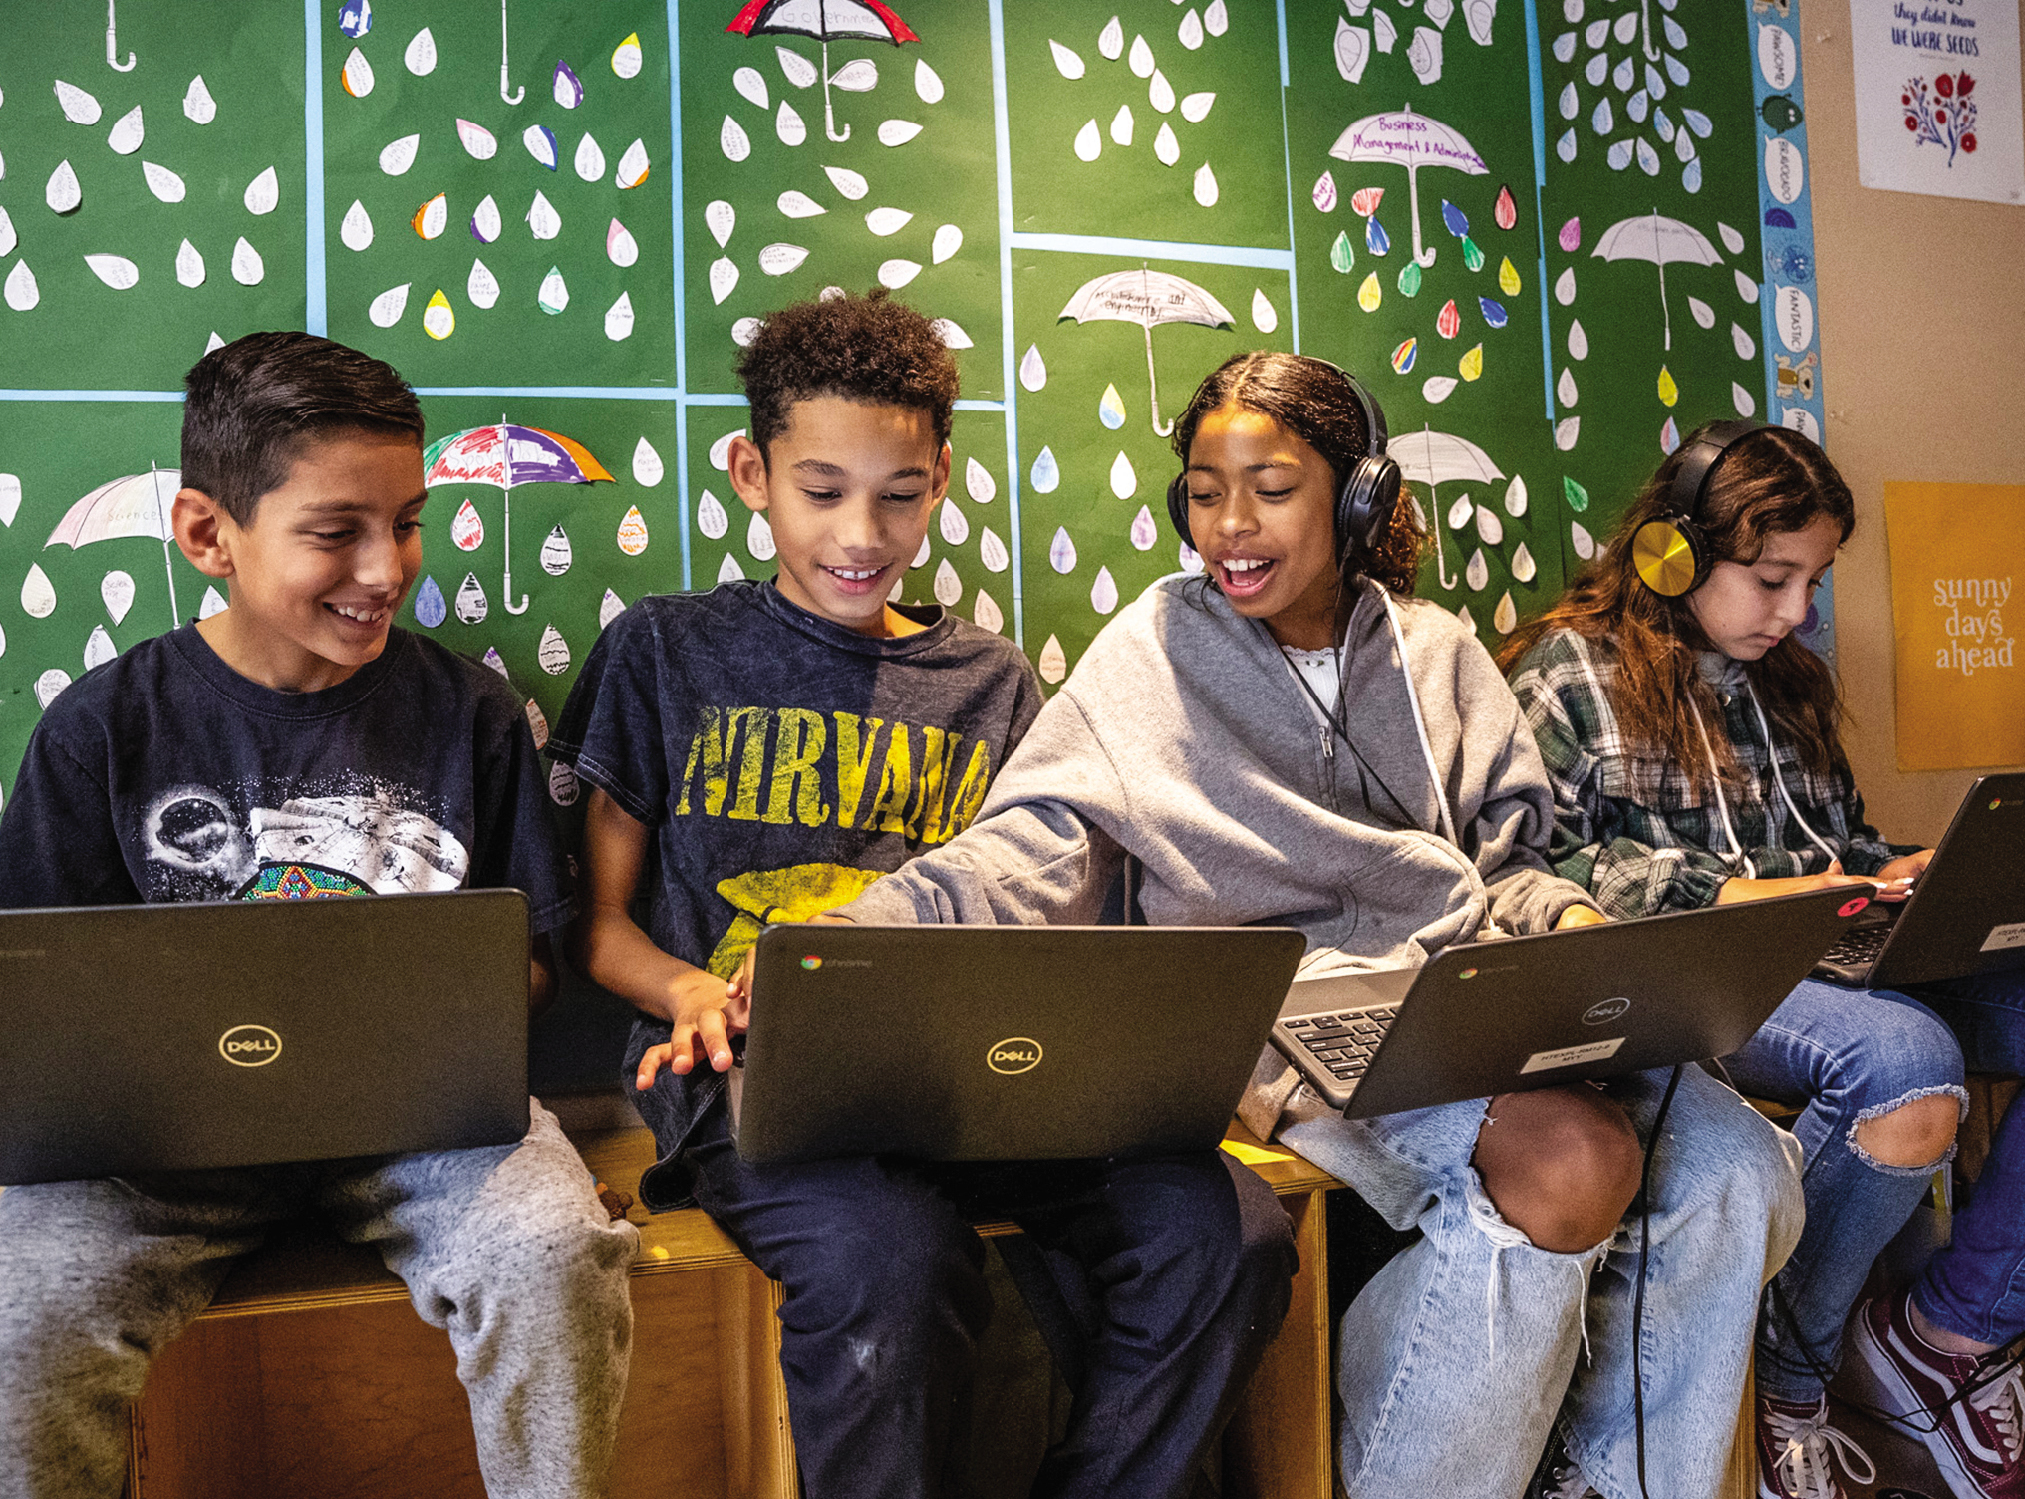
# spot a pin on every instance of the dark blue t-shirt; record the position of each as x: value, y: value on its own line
x: 167, y: 776
x: 782, y: 763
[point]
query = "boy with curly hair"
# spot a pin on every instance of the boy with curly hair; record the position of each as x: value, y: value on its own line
x: 769, y: 749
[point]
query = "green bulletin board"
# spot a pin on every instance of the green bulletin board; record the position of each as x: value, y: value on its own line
x: 1007, y: 168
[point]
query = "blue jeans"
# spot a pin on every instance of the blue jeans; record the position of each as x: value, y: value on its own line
x: 1846, y: 1055
x: 1458, y: 1355
x: 1975, y: 1287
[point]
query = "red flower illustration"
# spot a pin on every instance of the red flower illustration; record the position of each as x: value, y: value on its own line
x: 1942, y: 112
x: 1964, y: 85
x: 1945, y: 86
x: 1969, y: 141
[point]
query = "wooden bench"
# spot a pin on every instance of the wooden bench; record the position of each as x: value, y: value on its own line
x: 311, y: 1376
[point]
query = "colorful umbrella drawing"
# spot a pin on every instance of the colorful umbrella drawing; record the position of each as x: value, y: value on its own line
x: 1412, y: 141
x: 1659, y: 240
x: 505, y: 73
x: 112, y: 42
x: 820, y: 20
x: 1433, y: 458
x: 1148, y: 298
x: 505, y: 457
x: 137, y: 505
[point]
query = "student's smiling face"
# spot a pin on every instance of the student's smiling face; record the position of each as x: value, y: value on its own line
x: 848, y: 490
x: 318, y: 572
x: 1746, y: 608
x: 1262, y: 512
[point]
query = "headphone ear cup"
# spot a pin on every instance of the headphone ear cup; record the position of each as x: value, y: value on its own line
x: 1177, y: 508
x: 1670, y: 556
x: 1365, y: 505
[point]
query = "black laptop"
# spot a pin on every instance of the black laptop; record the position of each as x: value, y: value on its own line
x: 987, y: 1043
x: 1966, y: 913
x: 148, y: 1038
x: 1532, y: 1012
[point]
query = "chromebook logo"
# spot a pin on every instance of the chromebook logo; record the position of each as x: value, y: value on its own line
x: 812, y: 962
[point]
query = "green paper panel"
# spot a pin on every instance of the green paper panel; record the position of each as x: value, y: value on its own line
x: 83, y: 334
x: 747, y: 157
x: 1069, y: 418
x: 1072, y: 172
x: 515, y: 341
x: 1467, y: 409
x: 590, y: 515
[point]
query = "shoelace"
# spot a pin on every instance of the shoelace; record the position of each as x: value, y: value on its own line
x: 2000, y: 1401
x: 1803, y: 1468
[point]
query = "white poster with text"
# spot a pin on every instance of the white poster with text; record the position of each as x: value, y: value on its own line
x: 1938, y: 97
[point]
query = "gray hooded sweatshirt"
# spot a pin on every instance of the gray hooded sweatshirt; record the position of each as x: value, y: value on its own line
x: 1183, y: 739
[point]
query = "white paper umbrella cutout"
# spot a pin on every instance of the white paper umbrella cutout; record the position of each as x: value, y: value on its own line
x: 948, y: 586
x: 1053, y: 664
x: 99, y: 648
x: 79, y: 107
x: 421, y: 54
x: 620, y: 246
x: 851, y: 184
x: 247, y: 266
x: 978, y: 482
x: 481, y: 286
x: 21, y: 290
x: 399, y: 154
x: 50, y: 684
x: 1660, y: 241
x: 356, y: 231
x: 128, y: 132
x: 117, y: 590
x: 116, y: 271
x: 711, y: 518
x: 728, y: 571
x: 387, y: 307
x: 163, y: 183
x: 952, y: 522
x: 991, y: 551
x: 263, y: 193
x: 38, y: 594
x: 1413, y: 141
x: 1148, y: 298
x: 986, y: 614
x: 64, y: 193
x: 648, y: 469
x: 189, y: 265
x: 198, y: 106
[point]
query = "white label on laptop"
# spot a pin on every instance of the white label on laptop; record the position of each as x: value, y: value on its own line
x: 2011, y: 934
x: 1568, y: 1056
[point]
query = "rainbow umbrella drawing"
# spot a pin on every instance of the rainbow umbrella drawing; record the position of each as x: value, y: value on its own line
x: 822, y: 20
x: 506, y: 456
x: 1148, y: 298
x: 1661, y: 241
x: 135, y: 506
x: 1412, y: 141
x: 1433, y: 458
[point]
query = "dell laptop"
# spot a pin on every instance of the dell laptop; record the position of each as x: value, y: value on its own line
x: 989, y: 1043
x: 147, y: 1038
x: 1532, y: 1012
x: 1966, y: 913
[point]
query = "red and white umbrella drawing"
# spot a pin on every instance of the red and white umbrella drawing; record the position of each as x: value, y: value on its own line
x: 137, y: 505
x: 1412, y: 141
x: 506, y: 456
x: 822, y: 21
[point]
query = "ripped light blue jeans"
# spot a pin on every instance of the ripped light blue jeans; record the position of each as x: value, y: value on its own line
x: 1459, y: 1354
x: 1845, y: 1055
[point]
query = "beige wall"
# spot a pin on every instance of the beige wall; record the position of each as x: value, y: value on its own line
x: 1922, y: 316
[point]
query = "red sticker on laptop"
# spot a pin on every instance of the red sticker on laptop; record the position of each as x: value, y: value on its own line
x: 1853, y: 905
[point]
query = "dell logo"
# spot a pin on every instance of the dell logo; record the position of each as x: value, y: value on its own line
x: 1014, y: 1055
x: 249, y: 1046
x: 1604, y: 1011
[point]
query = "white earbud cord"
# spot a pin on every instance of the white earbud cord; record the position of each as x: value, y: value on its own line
x: 1722, y: 802
x: 1419, y: 723
x: 1772, y: 754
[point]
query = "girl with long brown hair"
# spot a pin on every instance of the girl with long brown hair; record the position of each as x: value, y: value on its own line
x: 1693, y: 743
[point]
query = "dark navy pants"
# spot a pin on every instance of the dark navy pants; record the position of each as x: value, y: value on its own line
x: 1175, y: 1273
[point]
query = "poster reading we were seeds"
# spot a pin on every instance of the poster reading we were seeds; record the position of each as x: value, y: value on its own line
x: 1938, y: 97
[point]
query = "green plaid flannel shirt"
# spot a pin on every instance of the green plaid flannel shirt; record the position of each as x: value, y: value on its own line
x: 1629, y: 825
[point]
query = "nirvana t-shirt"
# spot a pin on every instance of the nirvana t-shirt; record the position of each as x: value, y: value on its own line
x: 167, y: 776
x: 783, y: 763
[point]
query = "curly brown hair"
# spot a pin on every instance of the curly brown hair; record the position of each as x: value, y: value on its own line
x: 1313, y: 400
x: 869, y: 349
x: 1768, y: 482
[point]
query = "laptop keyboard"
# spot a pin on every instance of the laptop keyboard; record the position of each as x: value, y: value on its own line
x: 1342, y: 1043
x: 1858, y: 947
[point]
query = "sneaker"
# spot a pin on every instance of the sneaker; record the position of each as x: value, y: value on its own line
x: 1975, y: 1439
x: 1558, y: 1476
x: 1795, y: 1448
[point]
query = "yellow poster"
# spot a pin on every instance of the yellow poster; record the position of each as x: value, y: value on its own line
x: 1957, y: 563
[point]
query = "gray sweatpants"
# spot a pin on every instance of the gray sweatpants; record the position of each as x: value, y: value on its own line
x: 506, y: 1248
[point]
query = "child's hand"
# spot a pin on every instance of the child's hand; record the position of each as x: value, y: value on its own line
x: 1895, y: 880
x: 702, y: 1027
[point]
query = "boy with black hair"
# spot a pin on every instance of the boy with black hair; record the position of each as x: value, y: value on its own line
x: 771, y: 749
x: 298, y: 742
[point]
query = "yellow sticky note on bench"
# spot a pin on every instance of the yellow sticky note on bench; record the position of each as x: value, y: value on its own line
x: 1251, y: 1155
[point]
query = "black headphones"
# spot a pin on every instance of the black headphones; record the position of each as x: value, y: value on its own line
x: 1365, y: 501
x: 1671, y: 555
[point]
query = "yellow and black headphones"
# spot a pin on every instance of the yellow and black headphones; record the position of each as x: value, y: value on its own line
x: 1671, y: 555
x: 1366, y: 499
